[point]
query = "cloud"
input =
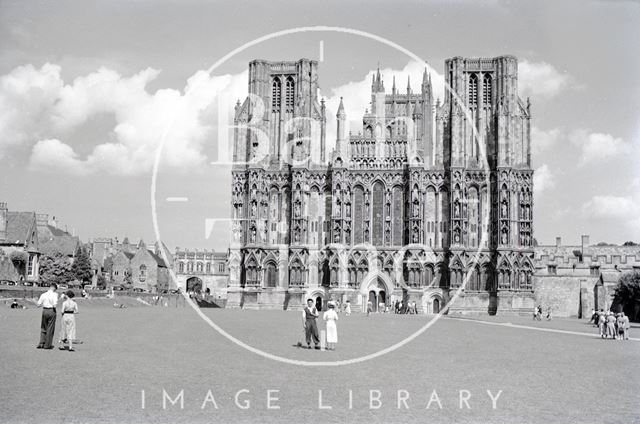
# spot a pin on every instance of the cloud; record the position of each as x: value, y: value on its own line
x: 541, y: 140
x: 543, y: 179
x: 53, y: 155
x: 38, y: 109
x: 541, y: 80
x: 598, y: 146
x: 27, y: 97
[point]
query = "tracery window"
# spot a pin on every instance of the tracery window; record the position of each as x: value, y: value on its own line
x: 289, y: 94
x: 473, y: 90
x: 486, y: 89
x: 276, y: 93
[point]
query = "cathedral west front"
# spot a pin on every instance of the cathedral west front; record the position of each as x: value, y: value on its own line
x: 427, y: 201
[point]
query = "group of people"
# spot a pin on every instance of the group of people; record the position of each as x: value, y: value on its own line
x: 537, y: 313
x: 49, y: 301
x: 310, y: 315
x: 611, y: 325
x: 409, y: 307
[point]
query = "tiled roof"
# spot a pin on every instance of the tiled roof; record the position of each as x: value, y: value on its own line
x: 158, y: 259
x: 19, y: 226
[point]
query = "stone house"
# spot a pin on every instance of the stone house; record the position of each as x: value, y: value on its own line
x: 18, y: 233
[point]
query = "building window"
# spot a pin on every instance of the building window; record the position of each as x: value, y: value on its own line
x: 473, y: 90
x: 289, y: 94
x: 275, y: 93
x: 595, y: 271
x: 221, y: 267
x: 181, y: 267
x: 143, y: 272
x: 486, y: 89
x: 199, y: 267
x: 208, y: 267
x: 189, y: 266
x: 30, y: 263
x: 551, y: 269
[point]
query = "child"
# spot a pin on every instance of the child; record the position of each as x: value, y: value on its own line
x: 68, y: 328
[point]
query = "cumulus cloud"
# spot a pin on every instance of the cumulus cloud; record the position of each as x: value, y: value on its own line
x: 53, y: 155
x: 541, y: 140
x: 543, y: 179
x: 598, y: 146
x: 38, y: 109
x: 541, y: 80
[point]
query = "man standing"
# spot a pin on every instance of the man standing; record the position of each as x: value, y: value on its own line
x: 48, y: 300
x: 309, y: 315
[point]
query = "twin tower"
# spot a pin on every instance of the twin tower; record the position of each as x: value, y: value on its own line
x: 425, y: 201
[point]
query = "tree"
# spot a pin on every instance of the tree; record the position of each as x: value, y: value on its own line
x: 81, y: 267
x: 55, y: 268
x: 128, y: 281
x: 102, y: 282
x: 630, y: 243
x: 627, y: 293
x: 19, y: 259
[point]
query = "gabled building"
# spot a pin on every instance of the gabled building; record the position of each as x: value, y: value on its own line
x: 148, y: 270
x: 19, y: 241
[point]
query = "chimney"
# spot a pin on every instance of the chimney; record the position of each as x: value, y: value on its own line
x: 558, y: 241
x: 3, y: 220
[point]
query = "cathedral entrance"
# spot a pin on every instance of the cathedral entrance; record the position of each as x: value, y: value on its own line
x: 435, y: 307
x: 374, y: 289
x: 373, y: 299
x: 194, y: 284
x: 319, y: 303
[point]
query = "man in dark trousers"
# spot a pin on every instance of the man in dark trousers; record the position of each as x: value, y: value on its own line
x: 48, y: 300
x: 309, y: 315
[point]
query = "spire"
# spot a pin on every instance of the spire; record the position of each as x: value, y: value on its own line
x: 378, y: 85
x: 341, y: 113
x: 393, y: 89
x: 408, y: 84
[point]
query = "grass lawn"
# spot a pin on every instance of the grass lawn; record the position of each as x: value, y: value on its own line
x: 544, y: 376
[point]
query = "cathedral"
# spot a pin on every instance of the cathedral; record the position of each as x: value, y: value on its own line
x: 427, y: 202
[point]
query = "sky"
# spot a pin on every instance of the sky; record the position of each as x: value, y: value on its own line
x: 89, y: 92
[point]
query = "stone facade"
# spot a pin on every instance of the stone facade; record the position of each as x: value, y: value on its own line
x: 198, y: 270
x: 426, y: 196
x: 573, y: 279
x: 149, y: 271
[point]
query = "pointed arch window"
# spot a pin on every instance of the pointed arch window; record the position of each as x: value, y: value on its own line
x: 276, y: 93
x: 486, y: 90
x: 473, y: 90
x: 289, y: 94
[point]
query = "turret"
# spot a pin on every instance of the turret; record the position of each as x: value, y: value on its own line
x: 341, y: 129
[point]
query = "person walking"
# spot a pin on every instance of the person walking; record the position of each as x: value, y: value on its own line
x: 602, y: 325
x: 611, y: 326
x: 621, y: 326
x: 627, y: 326
x: 48, y: 300
x: 68, y: 327
x: 347, y: 308
x: 309, y: 316
x: 330, y: 317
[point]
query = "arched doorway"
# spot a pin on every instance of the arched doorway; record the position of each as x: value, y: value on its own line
x: 373, y: 299
x: 435, y: 306
x: 319, y: 303
x: 194, y: 284
x: 374, y: 289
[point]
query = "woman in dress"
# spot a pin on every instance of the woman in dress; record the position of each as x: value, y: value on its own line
x: 68, y: 330
x: 332, y: 330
